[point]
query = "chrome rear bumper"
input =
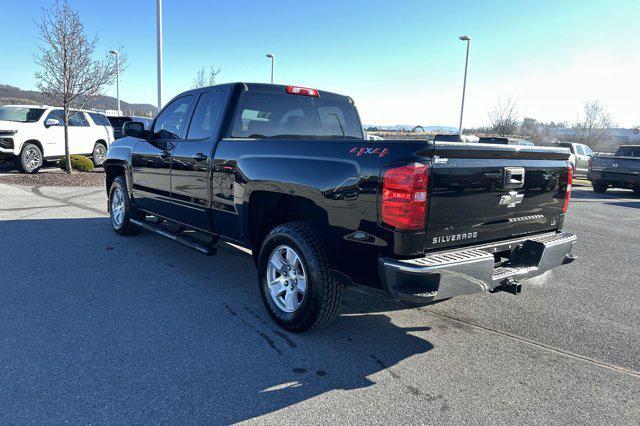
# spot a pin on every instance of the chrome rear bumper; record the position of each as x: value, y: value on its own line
x: 470, y: 270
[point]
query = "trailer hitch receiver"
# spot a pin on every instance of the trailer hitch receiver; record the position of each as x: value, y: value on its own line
x: 510, y: 286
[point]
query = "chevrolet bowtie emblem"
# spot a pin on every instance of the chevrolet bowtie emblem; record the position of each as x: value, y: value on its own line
x: 511, y: 200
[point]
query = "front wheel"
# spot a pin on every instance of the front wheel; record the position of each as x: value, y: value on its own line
x: 121, y: 210
x: 296, y: 283
x: 30, y: 159
x: 599, y: 187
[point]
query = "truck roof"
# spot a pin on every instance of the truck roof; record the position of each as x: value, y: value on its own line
x: 275, y: 88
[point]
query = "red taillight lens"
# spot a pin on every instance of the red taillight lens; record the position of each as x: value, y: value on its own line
x: 405, y: 191
x: 589, y: 163
x: 305, y: 91
x: 567, y: 195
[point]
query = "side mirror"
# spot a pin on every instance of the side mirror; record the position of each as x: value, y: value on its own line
x: 133, y: 128
x: 51, y: 122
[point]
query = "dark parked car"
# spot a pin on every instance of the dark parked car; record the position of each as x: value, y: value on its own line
x: 441, y: 137
x: 285, y: 171
x: 621, y: 170
x: 118, y: 121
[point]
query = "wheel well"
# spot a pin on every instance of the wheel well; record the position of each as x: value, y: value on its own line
x: 268, y: 210
x: 101, y: 141
x: 112, y: 171
x: 36, y: 143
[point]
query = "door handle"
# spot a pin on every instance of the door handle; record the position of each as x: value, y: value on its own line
x: 200, y: 157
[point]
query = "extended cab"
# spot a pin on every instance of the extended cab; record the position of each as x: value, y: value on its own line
x: 285, y: 171
x: 622, y: 170
x: 31, y: 135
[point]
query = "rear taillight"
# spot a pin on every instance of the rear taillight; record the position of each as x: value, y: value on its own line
x: 405, y: 192
x: 589, y: 162
x: 567, y: 194
x: 305, y: 91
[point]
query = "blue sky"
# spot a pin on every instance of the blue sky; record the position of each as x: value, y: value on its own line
x: 400, y: 60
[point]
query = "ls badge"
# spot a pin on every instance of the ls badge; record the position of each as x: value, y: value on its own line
x: 511, y: 200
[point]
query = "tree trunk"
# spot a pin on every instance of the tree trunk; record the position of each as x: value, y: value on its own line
x: 66, y: 139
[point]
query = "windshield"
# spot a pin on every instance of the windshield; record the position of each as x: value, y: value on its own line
x: 21, y: 114
x: 270, y: 115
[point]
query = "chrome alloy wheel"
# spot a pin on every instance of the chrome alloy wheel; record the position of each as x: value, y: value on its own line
x: 117, y: 208
x: 101, y: 154
x: 287, y: 278
x: 32, y: 158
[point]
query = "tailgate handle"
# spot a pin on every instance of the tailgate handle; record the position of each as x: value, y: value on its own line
x: 513, y: 177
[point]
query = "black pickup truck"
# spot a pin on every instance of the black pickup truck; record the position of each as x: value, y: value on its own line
x: 286, y: 172
x: 622, y: 170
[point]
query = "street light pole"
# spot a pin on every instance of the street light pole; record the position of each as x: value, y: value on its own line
x: 115, y: 52
x: 464, y: 84
x: 273, y: 60
x: 159, y: 42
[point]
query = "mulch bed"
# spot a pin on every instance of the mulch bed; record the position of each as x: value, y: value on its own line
x: 56, y: 178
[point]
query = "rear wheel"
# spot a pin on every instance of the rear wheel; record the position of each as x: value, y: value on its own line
x: 99, y: 154
x: 30, y: 159
x: 121, y: 210
x: 296, y: 284
x: 599, y: 187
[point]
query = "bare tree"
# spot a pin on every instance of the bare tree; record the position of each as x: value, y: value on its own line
x: 69, y: 74
x: 504, y: 117
x: 203, y: 80
x: 595, y: 127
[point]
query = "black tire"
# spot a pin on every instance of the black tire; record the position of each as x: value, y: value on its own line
x: 599, y: 187
x: 122, y: 226
x: 30, y: 159
x: 99, y: 154
x: 323, y: 292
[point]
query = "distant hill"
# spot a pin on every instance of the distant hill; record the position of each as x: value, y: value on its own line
x: 14, y: 95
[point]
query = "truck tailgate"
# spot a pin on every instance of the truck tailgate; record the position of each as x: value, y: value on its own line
x: 616, y: 165
x: 482, y: 193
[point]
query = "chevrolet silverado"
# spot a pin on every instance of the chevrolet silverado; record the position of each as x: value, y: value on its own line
x: 286, y: 172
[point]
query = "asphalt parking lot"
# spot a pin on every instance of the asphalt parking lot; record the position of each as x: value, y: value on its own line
x: 100, y: 328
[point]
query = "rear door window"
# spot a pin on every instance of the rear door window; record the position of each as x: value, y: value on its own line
x: 271, y: 115
x: 77, y: 119
x: 206, y: 115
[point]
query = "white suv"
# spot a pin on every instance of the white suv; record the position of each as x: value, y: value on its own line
x: 34, y: 134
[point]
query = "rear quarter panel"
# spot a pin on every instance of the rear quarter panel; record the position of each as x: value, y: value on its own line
x: 338, y: 177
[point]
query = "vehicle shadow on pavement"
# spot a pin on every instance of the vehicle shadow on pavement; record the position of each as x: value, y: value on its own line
x: 100, y: 327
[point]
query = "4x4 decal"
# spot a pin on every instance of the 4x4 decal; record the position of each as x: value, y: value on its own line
x: 364, y: 150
